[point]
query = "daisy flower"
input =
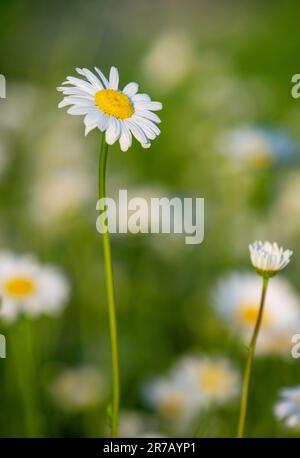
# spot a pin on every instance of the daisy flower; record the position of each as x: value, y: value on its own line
x: 287, y: 407
x: 134, y: 423
x: 59, y: 195
x: 236, y: 300
x: 118, y: 113
x: 169, y: 398
x: 210, y: 381
x: 257, y: 147
x: 268, y: 258
x: 286, y: 204
x: 169, y: 61
x: 29, y: 287
x: 193, y: 384
x: 77, y: 389
x: 19, y: 108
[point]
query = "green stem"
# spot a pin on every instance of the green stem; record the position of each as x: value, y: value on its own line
x: 249, y: 362
x: 110, y: 298
x: 25, y: 371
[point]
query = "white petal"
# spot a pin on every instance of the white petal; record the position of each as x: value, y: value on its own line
x: 113, y: 78
x: 78, y: 101
x: 103, y: 78
x: 151, y: 129
x: 90, y: 127
x: 75, y: 91
x: 87, y: 87
x: 137, y: 131
x: 93, y: 117
x: 74, y: 110
x: 130, y: 89
x: 153, y: 106
x: 148, y: 115
x: 103, y: 122
x: 141, y: 98
x: 125, y: 138
x: 113, y: 132
x: 90, y: 77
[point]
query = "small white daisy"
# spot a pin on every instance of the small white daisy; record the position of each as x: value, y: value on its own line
x: 77, y: 389
x: 268, y: 258
x: 210, y: 381
x: 59, y: 195
x: 169, y: 398
x: 29, y: 287
x: 237, y: 298
x: 257, y: 147
x: 134, y: 423
x: 118, y: 113
x: 169, y: 61
x: 194, y: 384
x: 287, y: 407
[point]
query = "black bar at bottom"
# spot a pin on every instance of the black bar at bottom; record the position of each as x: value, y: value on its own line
x: 133, y: 447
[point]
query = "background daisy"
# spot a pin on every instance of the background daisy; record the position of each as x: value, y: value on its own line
x: 30, y: 288
x: 78, y: 389
x: 287, y: 408
x: 192, y: 386
x: 236, y: 300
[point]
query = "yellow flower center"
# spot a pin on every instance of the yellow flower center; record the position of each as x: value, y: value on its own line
x: 19, y: 287
x: 114, y: 103
x: 211, y: 378
x: 248, y: 315
x: 260, y: 159
x: 171, y: 407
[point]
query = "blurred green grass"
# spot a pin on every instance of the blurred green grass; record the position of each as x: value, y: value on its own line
x: 163, y: 289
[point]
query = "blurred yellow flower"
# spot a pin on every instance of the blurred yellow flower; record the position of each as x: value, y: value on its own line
x: 30, y: 288
x: 76, y: 389
x: 236, y: 299
x: 194, y: 384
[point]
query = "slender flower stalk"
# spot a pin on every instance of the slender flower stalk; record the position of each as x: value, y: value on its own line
x: 25, y: 372
x: 249, y: 362
x: 267, y: 259
x: 110, y: 296
x: 120, y: 115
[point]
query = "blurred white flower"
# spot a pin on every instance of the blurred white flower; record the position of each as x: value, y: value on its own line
x: 268, y: 258
x: 28, y: 287
x: 224, y: 95
x: 134, y: 424
x: 237, y: 299
x: 256, y: 146
x: 194, y: 384
x: 286, y: 207
x: 60, y: 146
x: 210, y: 381
x: 77, y: 389
x: 169, y: 398
x: 287, y: 407
x: 120, y: 114
x: 18, y: 107
x: 59, y: 196
x: 169, y: 61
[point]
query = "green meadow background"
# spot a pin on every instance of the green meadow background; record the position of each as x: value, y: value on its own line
x: 215, y: 66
